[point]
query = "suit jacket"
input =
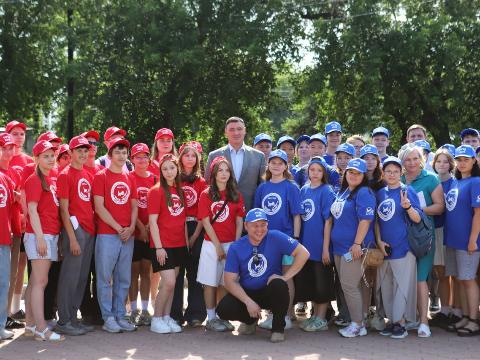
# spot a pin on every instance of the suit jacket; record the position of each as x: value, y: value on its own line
x: 253, y: 169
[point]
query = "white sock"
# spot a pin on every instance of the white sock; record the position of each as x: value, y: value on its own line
x: 144, y: 304
x: 445, y: 310
x: 457, y: 312
x: 211, y: 314
x: 16, y: 303
x: 133, y: 305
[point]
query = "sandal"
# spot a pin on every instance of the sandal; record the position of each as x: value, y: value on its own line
x: 29, y: 330
x: 453, y: 327
x: 424, y: 331
x: 54, y: 337
x: 465, y: 331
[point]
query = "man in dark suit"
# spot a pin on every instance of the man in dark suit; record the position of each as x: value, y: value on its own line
x: 248, y: 164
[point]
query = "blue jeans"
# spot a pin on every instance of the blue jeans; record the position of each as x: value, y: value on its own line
x: 113, y: 263
x: 4, y: 283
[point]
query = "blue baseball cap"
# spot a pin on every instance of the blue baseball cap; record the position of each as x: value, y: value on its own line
x: 286, y: 138
x: 318, y: 160
x: 303, y: 138
x: 346, y: 148
x: 279, y: 154
x: 368, y: 149
x: 449, y: 147
x: 391, y: 160
x: 469, y: 131
x: 333, y: 126
x: 262, y: 137
x: 381, y: 131
x: 464, y: 151
x: 357, y: 164
x: 256, y: 214
x: 423, y: 144
x: 318, y: 137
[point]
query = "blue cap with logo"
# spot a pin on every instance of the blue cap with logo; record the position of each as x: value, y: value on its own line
x: 464, y: 151
x: 256, y: 214
x: 391, y: 160
x: 262, y: 137
x: 381, y: 131
x: 286, y: 138
x: 423, y: 144
x: 278, y: 154
x: 357, y: 164
x: 303, y: 138
x: 449, y: 147
x: 346, y: 148
x: 318, y: 137
x: 469, y: 131
x: 368, y: 149
x: 333, y: 126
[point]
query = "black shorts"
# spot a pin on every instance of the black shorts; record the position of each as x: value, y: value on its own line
x: 314, y: 283
x: 176, y: 257
x: 141, y: 250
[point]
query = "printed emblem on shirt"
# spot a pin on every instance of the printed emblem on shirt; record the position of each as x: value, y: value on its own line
x: 142, y: 197
x: 176, y: 208
x: 451, y: 199
x: 3, y: 196
x: 190, y: 195
x: 120, y: 193
x: 257, y: 265
x: 308, y: 207
x: 215, y: 208
x: 84, y: 189
x: 53, y: 190
x: 271, y: 203
x: 386, y: 209
x: 337, y: 208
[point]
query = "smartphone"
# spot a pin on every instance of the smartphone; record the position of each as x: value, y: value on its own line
x: 348, y: 256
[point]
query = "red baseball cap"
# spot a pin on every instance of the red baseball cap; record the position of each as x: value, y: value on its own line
x: 79, y: 141
x: 6, y: 139
x: 41, y: 146
x: 14, y: 124
x: 123, y: 142
x: 216, y: 161
x: 194, y: 144
x: 63, y: 149
x: 139, y: 148
x: 164, y: 132
x: 49, y: 136
x: 91, y: 133
x: 113, y: 130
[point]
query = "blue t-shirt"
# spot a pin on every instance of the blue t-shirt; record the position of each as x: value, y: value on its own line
x: 281, y: 201
x: 329, y: 159
x: 316, y: 205
x: 347, y: 212
x: 439, y: 220
x: 254, y: 275
x: 391, y: 219
x: 461, y: 199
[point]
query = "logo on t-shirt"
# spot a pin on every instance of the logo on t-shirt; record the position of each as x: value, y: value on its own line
x: 120, y: 193
x: 271, y: 203
x: 308, y: 207
x: 176, y: 208
x: 53, y: 190
x: 142, y: 197
x: 386, y: 209
x: 84, y: 189
x: 451, y: 199
x: 257, y: 265
x: 215, y: 208
x: 337, y: 208
x: 3, y: 196
x: 190, y: 195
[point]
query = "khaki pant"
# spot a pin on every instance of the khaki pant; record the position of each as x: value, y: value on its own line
x: 350, y: 274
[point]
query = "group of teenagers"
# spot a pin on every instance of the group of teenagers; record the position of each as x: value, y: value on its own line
x: 254, y: 228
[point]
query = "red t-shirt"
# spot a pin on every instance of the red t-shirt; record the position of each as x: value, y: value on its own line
x: 14, y: 173
x: 192, y: 192
x: 94, y: 170
x: 21, y: 160
x: 29, y: 169
x: 6, y: 214
x: 76, y: 186
x: 171, y: 219
x: 143, y: 185
x: 117, y: 190
x: 225, y: 226
x: 47, y: 204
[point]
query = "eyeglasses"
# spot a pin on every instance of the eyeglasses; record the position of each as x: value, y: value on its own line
x: 94, y: 143
x: 256, y: 258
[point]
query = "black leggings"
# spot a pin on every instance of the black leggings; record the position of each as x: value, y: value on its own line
x: 273, y: 297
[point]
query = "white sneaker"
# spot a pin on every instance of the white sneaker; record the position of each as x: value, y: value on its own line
x: 110, y: 325
x: 159, y: 326
x: 174, y: 327
x: 267, y: 324
x: 353, y: 330
x: 288, y: 323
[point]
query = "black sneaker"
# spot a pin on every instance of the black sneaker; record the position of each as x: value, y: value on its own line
x: 399, y: 332
x: 388, y: 331
x: 13, y: 324
x: 19, y: 315
x: 438, y: 320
